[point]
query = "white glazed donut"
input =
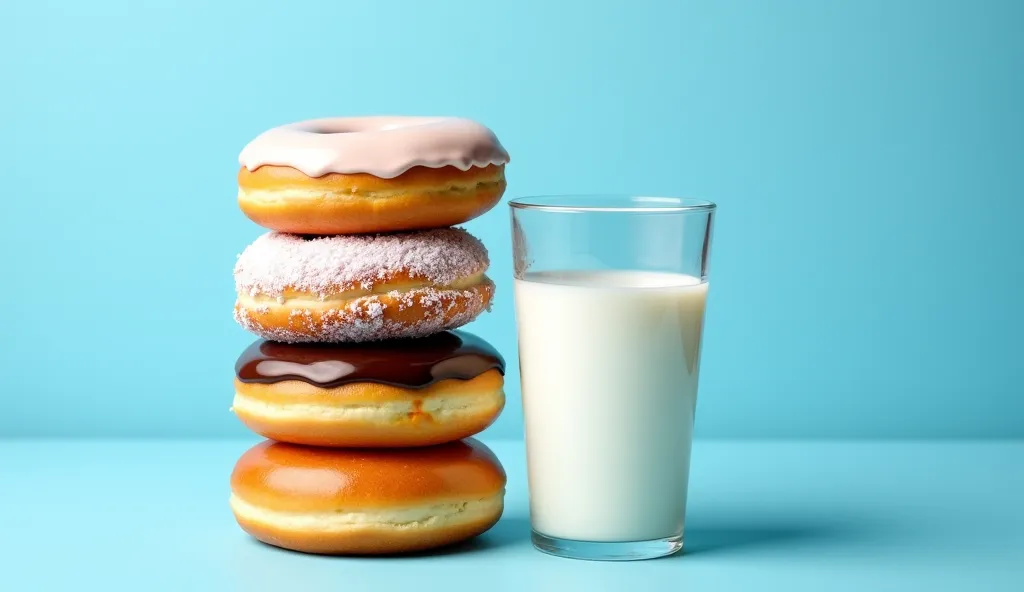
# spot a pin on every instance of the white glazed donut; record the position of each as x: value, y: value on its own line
x: 371, y: 174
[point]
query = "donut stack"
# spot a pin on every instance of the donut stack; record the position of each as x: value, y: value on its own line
x: 366, y: 391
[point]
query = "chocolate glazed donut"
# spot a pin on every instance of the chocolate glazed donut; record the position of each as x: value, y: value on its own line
x: 396, y: 393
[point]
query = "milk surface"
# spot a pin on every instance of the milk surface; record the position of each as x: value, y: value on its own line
x: 609, y: 363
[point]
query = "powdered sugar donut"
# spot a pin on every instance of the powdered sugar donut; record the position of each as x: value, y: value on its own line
x: 356, y: 288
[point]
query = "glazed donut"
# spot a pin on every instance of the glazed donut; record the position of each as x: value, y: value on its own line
x: 411, y: 392
x: 353, y: 502
x: 371, y: 174
x: 361, y: 287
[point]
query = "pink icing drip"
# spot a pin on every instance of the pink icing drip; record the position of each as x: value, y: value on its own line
x: 277, y: 262
x: 384, y: 147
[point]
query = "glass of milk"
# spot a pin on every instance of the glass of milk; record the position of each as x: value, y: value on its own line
x: 609, y: 298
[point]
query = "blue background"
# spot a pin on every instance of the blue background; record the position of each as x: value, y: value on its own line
x: 867, y: 157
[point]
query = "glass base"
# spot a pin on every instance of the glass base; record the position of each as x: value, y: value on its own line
x: 591, y: 551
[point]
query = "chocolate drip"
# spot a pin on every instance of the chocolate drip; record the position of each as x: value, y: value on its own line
x: 407, y: 363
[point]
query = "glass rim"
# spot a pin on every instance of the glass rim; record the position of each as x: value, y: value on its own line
x: 615, y: 202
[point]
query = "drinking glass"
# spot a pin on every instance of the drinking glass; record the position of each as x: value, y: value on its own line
x: 610, y: 294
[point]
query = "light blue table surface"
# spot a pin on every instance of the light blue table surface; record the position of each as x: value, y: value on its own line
x: 153, y: 515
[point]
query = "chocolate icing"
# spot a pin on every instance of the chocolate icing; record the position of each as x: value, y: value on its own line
x: 407, y: 363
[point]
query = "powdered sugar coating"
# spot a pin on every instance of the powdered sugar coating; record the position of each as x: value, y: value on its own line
x: 277, y: 263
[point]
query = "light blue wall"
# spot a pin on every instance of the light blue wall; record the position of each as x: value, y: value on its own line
x: 868, y: 159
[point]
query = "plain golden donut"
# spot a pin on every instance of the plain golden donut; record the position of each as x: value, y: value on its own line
x: 361, y: 501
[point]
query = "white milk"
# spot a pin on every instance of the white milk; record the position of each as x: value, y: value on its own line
x: 609, y: 364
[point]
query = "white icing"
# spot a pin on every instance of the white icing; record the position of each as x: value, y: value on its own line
x: 381, y: 146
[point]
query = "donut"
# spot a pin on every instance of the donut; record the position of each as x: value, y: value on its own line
x: 370, y: 174
x: 340, y: 501
x: 412, y: 392
x: 360, y: 288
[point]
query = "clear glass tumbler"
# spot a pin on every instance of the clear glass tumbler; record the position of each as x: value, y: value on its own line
x: 609, y: 297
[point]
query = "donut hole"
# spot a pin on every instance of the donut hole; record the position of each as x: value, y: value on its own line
x: 332, y: 128
x: 383, y: 128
